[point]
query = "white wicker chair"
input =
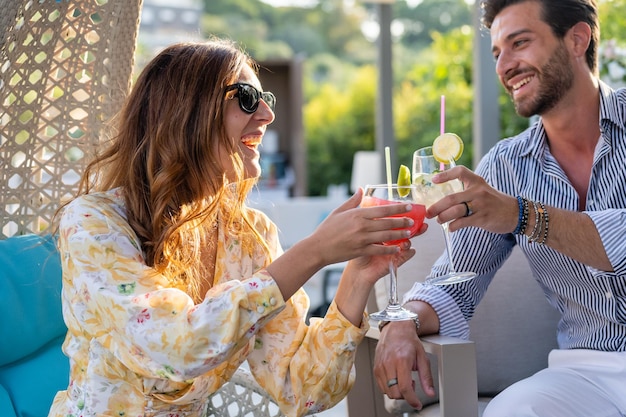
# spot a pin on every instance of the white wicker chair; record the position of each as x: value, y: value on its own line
x: 65, y: 68
x: 242, y: 397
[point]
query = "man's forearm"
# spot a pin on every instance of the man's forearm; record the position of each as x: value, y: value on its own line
x: 429, y: 321
x: 575, y: 235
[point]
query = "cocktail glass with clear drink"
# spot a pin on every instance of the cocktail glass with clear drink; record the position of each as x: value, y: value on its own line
x: 425, y: 166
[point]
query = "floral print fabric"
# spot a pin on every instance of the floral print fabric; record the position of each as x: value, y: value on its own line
x: 139, y: 347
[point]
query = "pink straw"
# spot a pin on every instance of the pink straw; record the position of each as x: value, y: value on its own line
x: 442, y: 130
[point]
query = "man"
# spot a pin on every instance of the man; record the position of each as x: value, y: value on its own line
x: 559, y: 191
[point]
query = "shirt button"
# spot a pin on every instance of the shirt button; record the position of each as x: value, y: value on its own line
x: 272, y: 301
x: 260, y: 309
x: 608, y: 294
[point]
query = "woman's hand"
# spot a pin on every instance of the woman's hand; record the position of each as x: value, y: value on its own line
x: 370, y: 269
x: 368, y: 229
x: 359, y: 277
x: 347, y: 233
x: 351, y: 231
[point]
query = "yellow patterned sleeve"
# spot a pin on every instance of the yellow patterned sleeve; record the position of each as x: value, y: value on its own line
x: 307, y: 368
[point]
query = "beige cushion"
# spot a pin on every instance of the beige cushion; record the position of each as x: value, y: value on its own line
x: 435, y: 410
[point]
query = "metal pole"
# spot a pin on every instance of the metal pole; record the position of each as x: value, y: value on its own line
x: 384, y: 106
x: 486, y: 130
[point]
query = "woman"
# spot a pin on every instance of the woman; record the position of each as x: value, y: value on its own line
x: 170, y: 282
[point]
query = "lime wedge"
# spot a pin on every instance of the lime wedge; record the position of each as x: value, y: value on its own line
x: 422, y: 180
x: 404, y: 180
x: 447, y: 147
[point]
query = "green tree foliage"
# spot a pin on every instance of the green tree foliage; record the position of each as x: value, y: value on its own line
x: 429, y: 16
x: 268, y: 33
x: 251, y: 9
x: 612, y: 49
x: 443, y: 69
x: 612, y: 19
x: 339, y: 122
x: 433, y: 56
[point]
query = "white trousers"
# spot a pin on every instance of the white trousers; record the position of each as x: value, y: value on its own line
x: 577, y: 383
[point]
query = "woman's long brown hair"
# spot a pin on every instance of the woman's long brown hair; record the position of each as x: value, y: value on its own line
x: 165, y: 156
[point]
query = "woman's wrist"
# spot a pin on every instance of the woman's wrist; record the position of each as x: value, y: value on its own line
x: 294, y: 268
x: 352, y: 294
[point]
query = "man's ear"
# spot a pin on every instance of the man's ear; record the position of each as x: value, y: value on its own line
x: 578, y: 38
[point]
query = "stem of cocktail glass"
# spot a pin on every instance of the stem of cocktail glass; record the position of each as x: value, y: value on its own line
x: 393, y: 283
x: 446, y: 237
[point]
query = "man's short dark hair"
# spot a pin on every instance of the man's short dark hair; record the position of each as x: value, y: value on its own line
x: 560, y: 15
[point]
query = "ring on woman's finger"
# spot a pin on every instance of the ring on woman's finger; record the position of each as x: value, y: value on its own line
x: 468, y: 209
x: 392, y: 382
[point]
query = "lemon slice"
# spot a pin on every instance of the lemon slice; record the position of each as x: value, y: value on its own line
x: 404, y: 180
x: 447, y: 147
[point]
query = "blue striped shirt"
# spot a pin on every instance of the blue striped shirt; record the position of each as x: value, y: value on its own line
x: 592, y: 303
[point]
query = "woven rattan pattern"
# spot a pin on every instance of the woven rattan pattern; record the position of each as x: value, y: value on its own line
x: 65, y: 68
x: 242, y: 397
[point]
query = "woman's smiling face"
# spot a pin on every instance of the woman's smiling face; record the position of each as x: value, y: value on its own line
x: 246, y: 129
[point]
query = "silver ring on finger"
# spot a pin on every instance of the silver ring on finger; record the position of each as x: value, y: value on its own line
x: 392, y: 382
x: 468, y: 209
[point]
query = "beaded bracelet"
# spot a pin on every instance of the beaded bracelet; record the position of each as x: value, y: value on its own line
x: 537, y: 228
x: 520, y: 216
x: 525, y: 225
x: 542, y: 222
x: 522, y: 221
x: 546, y: 220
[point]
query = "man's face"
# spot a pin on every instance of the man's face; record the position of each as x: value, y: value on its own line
x: 532, y: 64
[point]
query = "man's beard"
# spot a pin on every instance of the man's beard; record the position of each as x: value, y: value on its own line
x: 556, y: 78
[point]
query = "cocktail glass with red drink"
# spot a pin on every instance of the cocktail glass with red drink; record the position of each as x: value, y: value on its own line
x: 384, y: 194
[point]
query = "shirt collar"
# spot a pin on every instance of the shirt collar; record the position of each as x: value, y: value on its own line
x: 612, y: 111
x: 612, y: 108
x: 536, y: 139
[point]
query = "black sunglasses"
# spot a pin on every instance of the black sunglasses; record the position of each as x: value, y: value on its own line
x: 249, y: 97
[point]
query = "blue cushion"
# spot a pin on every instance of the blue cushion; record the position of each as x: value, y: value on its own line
x: 30, y: 295
x: 33, y: 381
x: 6, y: 407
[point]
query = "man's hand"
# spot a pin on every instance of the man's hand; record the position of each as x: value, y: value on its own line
x: 399, y: 352
x: 490, y: 209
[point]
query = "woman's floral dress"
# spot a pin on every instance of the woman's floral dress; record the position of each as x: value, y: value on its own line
x: 139, y: 347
